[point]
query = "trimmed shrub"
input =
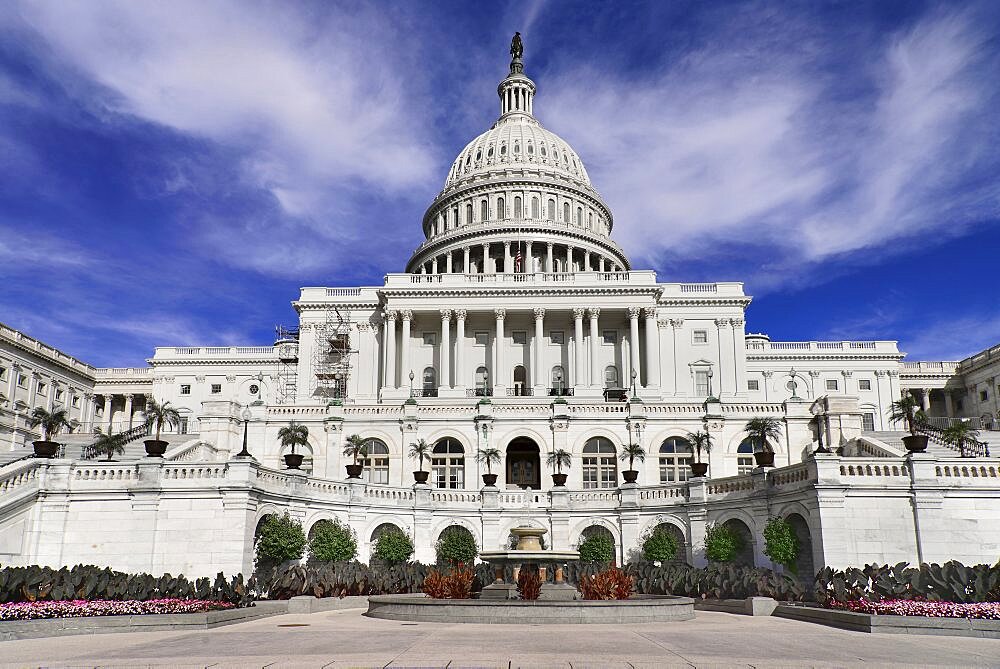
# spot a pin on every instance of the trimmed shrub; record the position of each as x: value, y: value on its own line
x: 456, y: 585
x: 606, y: 585
x: 722, y: 544
x: 456, y: 545
x: 281, y: 539
x: 660, y: 546
x: 781, y: 544
x: 597, y: 548
x: 393, y: 547
x: 332, y: 541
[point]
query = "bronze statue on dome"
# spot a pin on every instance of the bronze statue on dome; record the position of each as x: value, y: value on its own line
x: 516, y: 46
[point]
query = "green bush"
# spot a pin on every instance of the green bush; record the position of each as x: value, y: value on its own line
x: 781, y: 544
x: 660, y: 546
x: 599, y: 548
x: 457, y: 545
x: 332, y: 541
x: 393, y: 547
x: 722, y: 544
x: 281, y: 539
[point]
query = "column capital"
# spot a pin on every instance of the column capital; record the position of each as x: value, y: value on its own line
x: 549, y: 244
x: 736, y: 322
x: 406, y: 314
x: 649, y: 312
x: 721, y: 322
x: 539, y: 313
x: 390, y: 314
x: 594, y: 312
x: 363, y: 326
x: 676, y: 323
x: 893, y: 372
x: 846, y: 373
x: 460, y: 314
x: 633, y: 313
x: 880, y: 372
x: 768, y: 373
x: 500, y: 313
x: 445, y: 314
x: 578, y: 313
x: 814, y: 374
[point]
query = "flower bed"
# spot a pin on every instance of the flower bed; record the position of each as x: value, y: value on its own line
x: 81, y: 608
x: 909, y: 607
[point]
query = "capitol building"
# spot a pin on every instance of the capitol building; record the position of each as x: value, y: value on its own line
x: 517, y: 324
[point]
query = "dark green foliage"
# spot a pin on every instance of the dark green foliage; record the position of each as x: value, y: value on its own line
x: 598, y: 548
x: 456, y: 545
x: 30, y: 584
x: 722, y: 544
x: 659, y: 546
x: 780, y: 543
x: 393, y: 547
x: 281, y: 539
x: 332, y: 541
x: 948, y: 582
x: 717, y: 581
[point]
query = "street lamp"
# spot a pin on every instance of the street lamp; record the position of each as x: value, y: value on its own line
x: 411, y: 383
x: 711, y: 373
x: 559, y: 385
x: 634, y: 374
x: 246, y: 415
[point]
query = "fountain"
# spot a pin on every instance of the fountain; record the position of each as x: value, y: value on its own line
x: 529, y: 554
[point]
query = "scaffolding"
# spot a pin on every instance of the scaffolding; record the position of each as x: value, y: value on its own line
x: 286, y: 341
x: 331, y: 356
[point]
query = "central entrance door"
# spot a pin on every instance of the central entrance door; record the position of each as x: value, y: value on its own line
x: 524, y: 464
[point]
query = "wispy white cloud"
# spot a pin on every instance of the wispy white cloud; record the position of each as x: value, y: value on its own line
x: 952, y: 338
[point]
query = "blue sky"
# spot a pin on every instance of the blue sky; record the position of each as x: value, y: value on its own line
x: 172, y: 173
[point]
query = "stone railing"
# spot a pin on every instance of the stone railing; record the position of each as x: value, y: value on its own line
x: 193, y: 352
x: 195, y: 449
x: 591, y: 278
x: 18, y: 476
x: 823, y: 347
x: 22, y: 340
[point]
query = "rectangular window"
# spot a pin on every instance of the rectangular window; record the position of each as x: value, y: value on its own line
x: 831, y: 384
x: 59, y: 395
x: 22, y: 380
x: 183, y: 427
x: 864, y: 384
x: 699, y: 337
x: 482, y: 338
x: 76, y: 400
x: 3, y: 373
x: 701, y: 384
x: 40, y: 388
x: 520, y: 337
x: 430, y: 338
x: 185, y: 389
x: 557, y: 337
x: 753, y: 384
x: 216, y: 388
x: 983, y: 396
x: 868, y: 422
x: 744, y: 464
x: 609, y: 337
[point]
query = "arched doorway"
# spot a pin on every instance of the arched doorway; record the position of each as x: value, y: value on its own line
x: 524, y: 464
x: 745, y: 557
x: 804, y: 563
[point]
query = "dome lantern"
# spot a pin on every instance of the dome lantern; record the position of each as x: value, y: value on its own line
x: 517, y: 91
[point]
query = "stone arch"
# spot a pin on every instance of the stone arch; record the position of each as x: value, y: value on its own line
x: 610, y: 526
x: 523, y: 463
x: 616, y: 439
x: 455, y: 522
x: 746, y: 555
x: 467, y: 441
x: 594, y: 528
x: 518, y: 433
x: 381, y: 528
x: 393, y: 442
x: 678, y: 528
x: 734, y: 441
x: 804, y: 565
x: 319, y: 522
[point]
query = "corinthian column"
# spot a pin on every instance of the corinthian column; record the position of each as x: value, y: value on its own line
x: 389, y: 346
x: 404, y: 352
x: 445, y: 381
x: 499, y: 371
x: 633, y: 345
x: 460, y: 348
x: 595, y: 377
x: 536, y: 364
x: 652, y: 379
x: 579, y: 375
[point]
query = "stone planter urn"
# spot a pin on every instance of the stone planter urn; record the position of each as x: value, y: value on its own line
x: 45, y: 449
x: 630, y: 475
x: 559, y: 479
x: 293, y: 460
x: 420, y: 476
x: 764, y: 458
x: 699, y: 469
x: 354, y: 471
x: 915, y: 443
x: 490, y: 479
x: 155, y: 448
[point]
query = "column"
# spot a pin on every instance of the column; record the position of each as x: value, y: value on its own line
x: 499, y: 368
x: 570, y: 266
x: 87, y: 413
x: 925, y: 399
x: 467, y: 250
x: 675, y: 325
x: 847, y: 374
x: 538, y: 377
x: 434, y: 265
x: 548, y: 258
x: 447, y: 262
x: 739, y: 355
x: 128, y: 412
x: 50, y: 399
x: 508, y: 262
x: 949, y: 404
x: 389, y: 348
x: 595, y: 377
x: 486, y: 257
x: 109, y: 402
x: 529, y: 263
x: 652, y: 377
x: 404, y: 351
x: 579, y: 375
x: 633, y: 345
x: 723, y: 331
x: 445, y: 380
x: 460, y: 373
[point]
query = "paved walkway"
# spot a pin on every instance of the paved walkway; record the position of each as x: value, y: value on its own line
x: 346, y: 639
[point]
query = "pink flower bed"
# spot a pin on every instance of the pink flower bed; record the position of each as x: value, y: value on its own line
x: 78, y: 608
x: 909, y: 607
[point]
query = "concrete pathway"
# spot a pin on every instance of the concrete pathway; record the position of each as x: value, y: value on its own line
x: 347, y: 639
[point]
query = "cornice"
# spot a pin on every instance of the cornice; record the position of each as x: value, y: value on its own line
x: 705, y: 302
x: 896, y: 357
x: 483, y: 291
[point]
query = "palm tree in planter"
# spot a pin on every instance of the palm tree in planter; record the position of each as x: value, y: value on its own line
x: 52, y: 423
x: 959, y: 434
x: 420, y: 449
x: 355, y: 447
x: 907, y: 410
x: 292, y: 435
x: 762, y: 430
x: 701, y: 441
x: 108, y: 444
x: 489, y: 457
x: 159, y: 416
x: 632, y: 452
x: 558, y: 459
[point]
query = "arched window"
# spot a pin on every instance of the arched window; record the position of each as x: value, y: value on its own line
x: 429, y: 380
x: 454, y: 218
x: 543, y: 151
x: 517, y: 147
x: 484, y: 210
x: 675, y: 460
x: 555, y: 154
x: 520, y: 381
x: 600, y: 469
x: 517, y: 207
x: 558, y: 379
x: 479, y: 155
x: 552, y: 210
x: 579, y: 216
x: 489, y: 153
x: 566, y: 212
x: 534, y: 207
x: 468, y: 214
x: 531, y: 149
x: 590, y: 221
x: 503, y: 149
x: 448, y: 464
x: 501, y: 208
x: 482, y: 381
x: 611, y: 377
x: 375, y: 462
x: 744, y: 457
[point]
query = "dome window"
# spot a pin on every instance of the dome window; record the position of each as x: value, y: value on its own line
x: 543, y: 151
x: 531, y: 149
x: 489, y: 154
x: 503, y: 149
x: 484, y: 211
x: 534, y: 207
x: 517, y: 147
x: 501, y: 208
x: 468, y: 160
x: 555, y: 154
x: 479, y: 155
x: 552, y: 210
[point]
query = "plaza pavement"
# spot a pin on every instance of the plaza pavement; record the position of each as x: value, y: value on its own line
x: 347, y: 639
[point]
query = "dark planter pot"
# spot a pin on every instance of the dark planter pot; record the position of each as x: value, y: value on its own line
x: 45, y: 449
x: 915, y: 443
x: 764, y: 458
x: 699, y: 468
x: 630, y: 475
x: 559, y: 479
x: 354, y: 471
x: 420, y: 476
x: 490, y: 479
x: 293, y: 460
x: 155, y: 448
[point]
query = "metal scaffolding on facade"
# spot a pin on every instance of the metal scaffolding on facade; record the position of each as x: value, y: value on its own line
x: 331, y: 358
x: 286, y: 340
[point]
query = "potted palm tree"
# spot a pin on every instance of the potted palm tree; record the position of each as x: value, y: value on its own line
x: 762, y: 430
x: 701, y: 441
x: 108, y: 444
x: 960, y: 433
x: 907, y: 410
x: 290, y: 436
x: 558, y: 459
x: 632, y: 452
x: 52, y: 422
x: 420, y: 450
x: 489, y: 457
x: 355, y: 447
x: 159, y: 416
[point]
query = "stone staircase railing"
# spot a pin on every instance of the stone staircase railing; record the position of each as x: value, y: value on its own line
x: 89, y: 452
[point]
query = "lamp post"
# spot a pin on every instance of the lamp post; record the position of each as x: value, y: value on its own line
x: 635, y: 374
x: 559, y: 383
x: 486, y: 383
x: 819, y: 435
x: 411, y: 383
x: 711, y: 394
x: 246, y: 415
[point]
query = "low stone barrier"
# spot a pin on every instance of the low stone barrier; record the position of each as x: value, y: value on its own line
x: 873, y: 624
x: 420, y: 608
x: 751, y: 606
x: 309, y: 604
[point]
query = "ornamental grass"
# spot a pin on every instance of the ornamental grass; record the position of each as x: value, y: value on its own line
x: 912, y: 607
x: 81, y: 608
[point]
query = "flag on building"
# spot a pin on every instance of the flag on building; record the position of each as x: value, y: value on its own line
x: 517, y: 259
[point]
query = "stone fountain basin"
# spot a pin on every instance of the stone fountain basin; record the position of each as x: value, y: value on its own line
x: 638, y: 609
x: 529, y: 557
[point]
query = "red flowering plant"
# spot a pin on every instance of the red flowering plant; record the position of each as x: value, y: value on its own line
x: 81, y: 608
x: 918, y: 607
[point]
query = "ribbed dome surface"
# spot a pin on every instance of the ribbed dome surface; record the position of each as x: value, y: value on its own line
x: 517, y: 141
